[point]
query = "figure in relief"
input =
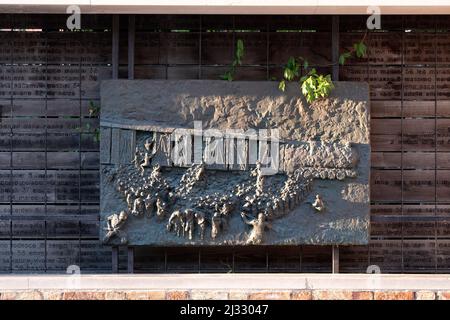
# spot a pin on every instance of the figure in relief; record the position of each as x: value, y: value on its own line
x: 189, y: 223
x: 139, y: 206
x: 259, y: 225
x: 114, y: 224
x: 257, y: 172
x: 258, y: 198
x: 318, y: 204
x: 176, y: 223
x: 201, y: 222
x: 150, y: 203
x: 216, y: 223
x: 160, y: 209
x: 137, y: 158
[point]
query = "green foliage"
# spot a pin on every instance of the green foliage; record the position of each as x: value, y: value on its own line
x: 343, y: 57
x: 291, y: 71
x: 94, y: 109
x: 313, y: 85
x: 359, y: 49
x: 238, y: 56
x: 94, y: 112
x: 282, y: 85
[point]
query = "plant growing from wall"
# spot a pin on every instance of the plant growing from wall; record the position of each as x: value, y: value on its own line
x: 94, y: 109
x: 313, y: 85
x: 94, y: 112
x: 237, y: 61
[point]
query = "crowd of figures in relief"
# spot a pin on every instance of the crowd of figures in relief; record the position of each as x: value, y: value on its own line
x: 197, y: 203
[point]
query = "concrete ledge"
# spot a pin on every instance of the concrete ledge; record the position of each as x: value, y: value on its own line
x: 227, y: 286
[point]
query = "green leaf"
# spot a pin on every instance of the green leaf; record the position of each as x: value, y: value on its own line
x: 239, y: 51
x: 343, y: 57
x: 238, y: 55
x: 227, y: 76
x: 288, y: 74
x: 291, y: 63
x: 360, y: 49
x: 305, y: 64
x: 282, y: 85
x: 313, y: 85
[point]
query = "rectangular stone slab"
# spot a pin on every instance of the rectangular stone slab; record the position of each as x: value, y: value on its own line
x: 327, y: 142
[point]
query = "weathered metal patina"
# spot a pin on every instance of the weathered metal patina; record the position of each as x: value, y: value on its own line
x: 233, y: 163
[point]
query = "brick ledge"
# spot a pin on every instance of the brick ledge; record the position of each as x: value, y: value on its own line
x: 223, y: 295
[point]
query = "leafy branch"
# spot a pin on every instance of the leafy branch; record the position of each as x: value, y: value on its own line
x: 359, y: 49
x: 238, y: 55
x: 94, y: 112
x: 315, y: 86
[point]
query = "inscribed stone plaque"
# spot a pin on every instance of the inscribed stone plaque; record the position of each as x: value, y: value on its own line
x: 233, y: 163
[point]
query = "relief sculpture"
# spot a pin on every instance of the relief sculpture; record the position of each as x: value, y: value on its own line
x: 307, y: 186
x: 197, y: 199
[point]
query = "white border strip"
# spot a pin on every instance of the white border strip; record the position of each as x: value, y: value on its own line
x: 228, y: 6
x: 228, y: 281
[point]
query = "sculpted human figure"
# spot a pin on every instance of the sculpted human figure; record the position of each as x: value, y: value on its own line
x: 149, y: 143
x: 216, y: 222
x: 226, y: 209
x: 156, y: 176
x: 146, y: 163
x: 259, y: 224
x: 139, y: 206
x: 201, y: 222
x: 257, y: 172
x: 240, y: 191
x: 176, y: 223
x: 189, y: 223
x: 149, y: 205
x: 318, y: 204
x: 130, y: 199
x: 120, y: 186
x: 200, y: 175
x: 160, y: 208
x: 136, y: 160
x: 276, y: 207
x: 114, y: 224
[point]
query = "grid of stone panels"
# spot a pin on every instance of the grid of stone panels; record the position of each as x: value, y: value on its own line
x: 408, y: 71
x: 49, y: 156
